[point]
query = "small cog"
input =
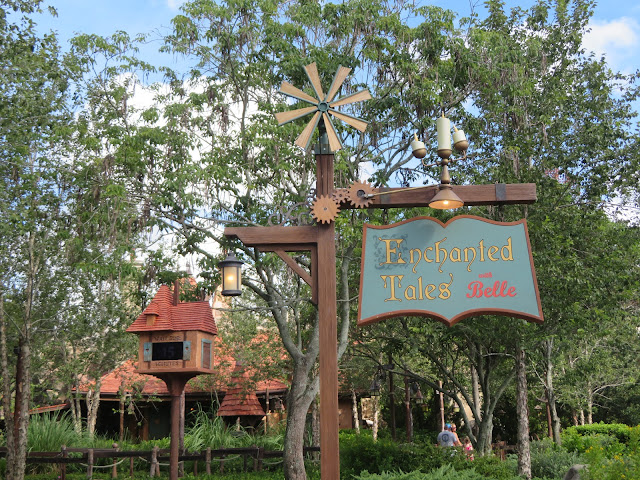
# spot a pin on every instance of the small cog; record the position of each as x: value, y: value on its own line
x: 340, y: 195
x: 325, y: 209
x: 358, y: 194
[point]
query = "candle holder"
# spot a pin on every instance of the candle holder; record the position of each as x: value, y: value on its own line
x: 445, y: 199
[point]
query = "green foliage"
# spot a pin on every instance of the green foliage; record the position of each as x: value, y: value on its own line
x: 142, y: 475
x: 208, y: 431
x: 359, y: 453
x: 446, y: 472
x: 617, y: 467
x: 48, y: 432
x: 548, y: 460
x: 623, y: 433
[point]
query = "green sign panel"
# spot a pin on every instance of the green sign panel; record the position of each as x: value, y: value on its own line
x: 468, y: 266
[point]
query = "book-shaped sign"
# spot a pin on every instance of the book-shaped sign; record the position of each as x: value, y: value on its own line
x: 468, y: 266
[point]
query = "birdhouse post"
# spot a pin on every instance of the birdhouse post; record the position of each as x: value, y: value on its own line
x: 175, y: 345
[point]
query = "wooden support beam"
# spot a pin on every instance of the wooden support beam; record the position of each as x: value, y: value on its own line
x: 471, y: 195
x: 288, y: 237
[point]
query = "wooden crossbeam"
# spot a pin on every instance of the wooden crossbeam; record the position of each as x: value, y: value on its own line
x: 471, y: 195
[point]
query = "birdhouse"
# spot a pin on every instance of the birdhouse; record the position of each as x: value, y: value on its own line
x: 175, y: 337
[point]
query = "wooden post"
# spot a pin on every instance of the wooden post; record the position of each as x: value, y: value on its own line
x: 90, y: 464
x: 328, y: 318
x: 260, y: 457
x: 221, y: 469
x: 181, y: 409
x: 131, y: 467
x: 114, y: 469
x: 175, y: 383
x: 63, y: 467
x: 154, y: 461
x: 207, y: 461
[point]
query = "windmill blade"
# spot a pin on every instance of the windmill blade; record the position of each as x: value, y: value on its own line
x: 294, y: 92
x: 314, y: 78
x: 305, y: 137
x: 355, y: 122
x: 341, y: 74
x: 354, y: 97
x: 291, y: 115
x: 334, y: 142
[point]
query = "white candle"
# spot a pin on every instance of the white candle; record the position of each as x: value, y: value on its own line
x: 444, y: 133
x: 458, y: 136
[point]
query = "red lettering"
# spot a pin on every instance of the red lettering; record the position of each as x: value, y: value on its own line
x: 476, y: 289
x: 499, y: 289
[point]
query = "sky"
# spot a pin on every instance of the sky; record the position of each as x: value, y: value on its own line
x: 615, y: 25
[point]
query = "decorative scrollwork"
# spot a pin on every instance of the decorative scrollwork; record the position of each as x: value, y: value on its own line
x: 297, y: 214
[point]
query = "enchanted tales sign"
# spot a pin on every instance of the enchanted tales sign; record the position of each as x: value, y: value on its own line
x: 468, y: 266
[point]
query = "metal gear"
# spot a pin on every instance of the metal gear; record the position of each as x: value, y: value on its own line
x: 325, y: 209
x: 340, y: 195
x: 358, y: 194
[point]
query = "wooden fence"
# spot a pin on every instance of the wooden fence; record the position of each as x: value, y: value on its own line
x: 156, y: 457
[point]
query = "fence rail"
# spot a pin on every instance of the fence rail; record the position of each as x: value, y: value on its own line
x: 154, y: 457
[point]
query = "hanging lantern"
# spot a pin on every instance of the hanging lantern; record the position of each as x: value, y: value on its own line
x: 231, y: 269
x: 374, y: 389
x: 446, y: 199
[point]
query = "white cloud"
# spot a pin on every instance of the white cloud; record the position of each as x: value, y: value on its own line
x: 616, y: 39
x: 175, y: 4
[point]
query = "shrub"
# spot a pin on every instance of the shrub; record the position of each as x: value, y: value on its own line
x: 548, y: 460
x: 48, y: 432
x: 446, y: 472
x: 359, y: 453
x: 618, y: 430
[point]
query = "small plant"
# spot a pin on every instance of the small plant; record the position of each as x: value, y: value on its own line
x: 48, y: 432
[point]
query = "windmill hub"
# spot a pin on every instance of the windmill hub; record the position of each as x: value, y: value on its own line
x: 322, y: 109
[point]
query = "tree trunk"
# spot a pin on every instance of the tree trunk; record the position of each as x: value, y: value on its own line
x: 21, y: 413
x: 6, y: 392
x: 485, y: 434
x: 522, y: 411
x: 93, y: 403
x: 407, y: 406
x: 376, y: 417
x: 76, y: 410
x: 551, y: 396
x: 392, y: 406
x: 354, y: 411
x: 475, y: 388
x: 315, y: 426
x: 298, y: 403
x: 581, y: 416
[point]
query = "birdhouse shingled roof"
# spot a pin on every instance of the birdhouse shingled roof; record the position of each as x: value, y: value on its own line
x: 240, y: 400
x: 170, y: 317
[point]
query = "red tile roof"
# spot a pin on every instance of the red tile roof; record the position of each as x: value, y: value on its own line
x: 240, y: 399
x: 183, y: 316
x: 125, y: 377
x: 49, y: 408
